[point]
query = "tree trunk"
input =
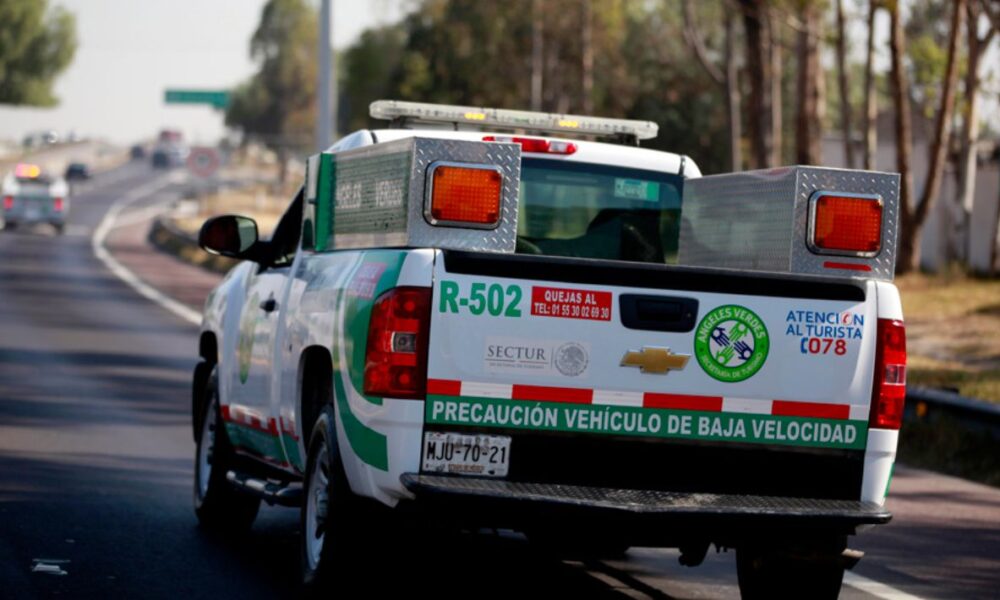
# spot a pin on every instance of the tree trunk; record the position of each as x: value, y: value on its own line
x: 871, y: 98
x: 733, y: 98
x: 587, y: 57
x: 910, y: 244
x: 808, y: 118
x: 967, y: 166
x: 845, y: 95
x: 758, y: 71
x: 904, y: 140
x: 774, y: 40
x: 939, y: 147
x: 727, y: 79
x: 537, y: 54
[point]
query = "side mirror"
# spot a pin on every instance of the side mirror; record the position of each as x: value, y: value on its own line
x: 228, y: 235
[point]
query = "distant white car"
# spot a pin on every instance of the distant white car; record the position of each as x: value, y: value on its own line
x: 31, y: 196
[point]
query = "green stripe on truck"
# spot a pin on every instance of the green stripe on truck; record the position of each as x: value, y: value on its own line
x: 646, y: 422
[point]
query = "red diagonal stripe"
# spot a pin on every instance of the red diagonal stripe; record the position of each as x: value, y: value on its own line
x: 543, y: 393
x: 682, y: 402
x: 786, y: 408
x: 444, y: 387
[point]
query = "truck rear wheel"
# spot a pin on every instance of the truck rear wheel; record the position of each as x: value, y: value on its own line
x: 218, y: 504
x: 794, y: 571
x: 329, y: 524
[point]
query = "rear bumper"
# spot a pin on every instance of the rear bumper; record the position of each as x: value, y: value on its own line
x: 716, y: 515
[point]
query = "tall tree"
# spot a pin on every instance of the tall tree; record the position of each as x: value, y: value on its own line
x: 36, y: 45
x: 977, y: 45
x: 537, y: 54
x: 756, y: 23
x: 277, y: 105
x: 726, y: 77
x: 845, y: 96
x: 871, y: 98
x: 903, y: 129
x: 809, y: 117
x: 774, y: 97
x: 587, y: 57
x: 914, y: 216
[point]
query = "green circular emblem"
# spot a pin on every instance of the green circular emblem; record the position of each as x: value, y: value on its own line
x: 731, y: 343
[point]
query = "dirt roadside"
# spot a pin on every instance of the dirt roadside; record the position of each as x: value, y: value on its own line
x: 176, y: 278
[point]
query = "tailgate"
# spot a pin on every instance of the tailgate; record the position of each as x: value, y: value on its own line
x: 647, y: 376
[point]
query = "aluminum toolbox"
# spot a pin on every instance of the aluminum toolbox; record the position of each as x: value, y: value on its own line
x: 759, y: 221
x: 373, y: 197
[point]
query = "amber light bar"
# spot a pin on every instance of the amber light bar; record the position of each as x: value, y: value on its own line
x: 395, y: 110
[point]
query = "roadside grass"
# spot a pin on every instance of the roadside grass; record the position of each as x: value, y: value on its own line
x: 256, y: 200
x: 953, y: 332
x: 943, y: 444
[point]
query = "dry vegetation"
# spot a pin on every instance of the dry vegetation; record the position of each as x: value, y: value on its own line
x: 953, y: 332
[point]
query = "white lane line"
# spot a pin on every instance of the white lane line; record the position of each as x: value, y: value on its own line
x: 122, y: 272
x: 879, y: 590
x: 140, y: 214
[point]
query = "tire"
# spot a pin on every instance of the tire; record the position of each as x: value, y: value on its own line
x: 10, y: 225
x: 59, y: 227
x: 218, y: 505
x: 330, y: 517
x: 777, y: 573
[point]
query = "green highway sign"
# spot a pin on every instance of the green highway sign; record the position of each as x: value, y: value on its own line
x: 217, y: 98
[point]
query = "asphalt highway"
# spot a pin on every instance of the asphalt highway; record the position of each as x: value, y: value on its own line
x: 96, y: 461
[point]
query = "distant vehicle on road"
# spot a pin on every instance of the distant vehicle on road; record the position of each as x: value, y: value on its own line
x: 168, y: 156
x: 77, y: 172
x: 138, y: 152
x: 31, y: 196
x: 170, y: 136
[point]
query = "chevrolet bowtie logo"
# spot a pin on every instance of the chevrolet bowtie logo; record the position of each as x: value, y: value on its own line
x: 655, y: 360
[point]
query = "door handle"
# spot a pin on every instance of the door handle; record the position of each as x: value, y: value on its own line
x: 269, y: 305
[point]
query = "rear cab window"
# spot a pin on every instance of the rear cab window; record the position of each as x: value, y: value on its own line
x: 588, y: 210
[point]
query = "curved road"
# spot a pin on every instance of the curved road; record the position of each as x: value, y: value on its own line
x: 96, y: 466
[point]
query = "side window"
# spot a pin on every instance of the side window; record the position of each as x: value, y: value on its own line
x: 285, y: 240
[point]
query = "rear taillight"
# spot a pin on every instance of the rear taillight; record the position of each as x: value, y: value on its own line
x: 57, y: 204
x: 464, y: 195
x: 8, y: 202
x: 845, y: 224
x: 889, y: 389
x: 396, y: 355
x: 536, y: 145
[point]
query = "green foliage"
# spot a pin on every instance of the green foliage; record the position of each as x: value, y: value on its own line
x: 36, y: 45
x: 480, y: 53
x: 927, y: 52
x: 276, y: 105
x: 366, y: 69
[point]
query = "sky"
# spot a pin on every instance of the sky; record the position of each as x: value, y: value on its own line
x: 130, y: 51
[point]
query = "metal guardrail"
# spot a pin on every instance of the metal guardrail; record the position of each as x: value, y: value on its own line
x: 928, y: 404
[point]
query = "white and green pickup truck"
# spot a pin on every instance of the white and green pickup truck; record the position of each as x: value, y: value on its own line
x: 480, y: 316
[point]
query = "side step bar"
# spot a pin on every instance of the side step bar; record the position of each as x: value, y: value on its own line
x: 270, y: 492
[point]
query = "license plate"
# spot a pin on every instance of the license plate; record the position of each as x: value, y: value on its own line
x: 32, y: 214
x: 462, y: 454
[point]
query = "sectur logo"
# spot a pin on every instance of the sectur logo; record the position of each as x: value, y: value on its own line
x: 731, y: 343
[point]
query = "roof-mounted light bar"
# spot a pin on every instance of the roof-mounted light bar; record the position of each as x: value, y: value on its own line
x: 418, y: 112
